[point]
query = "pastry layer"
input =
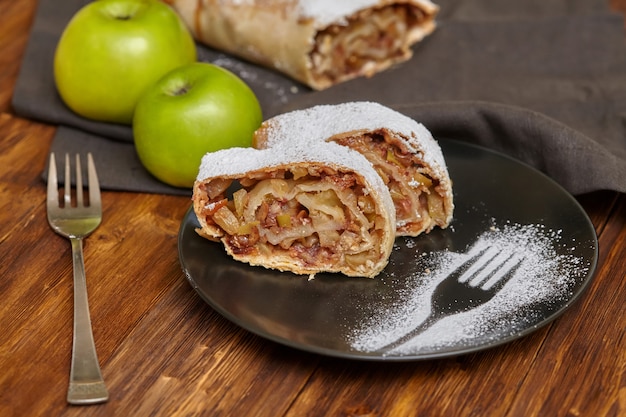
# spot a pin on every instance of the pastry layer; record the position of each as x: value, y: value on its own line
x: 323, y: 209
x: 403, y: 152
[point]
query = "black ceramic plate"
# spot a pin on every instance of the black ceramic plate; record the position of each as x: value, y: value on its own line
x: 497, y: 199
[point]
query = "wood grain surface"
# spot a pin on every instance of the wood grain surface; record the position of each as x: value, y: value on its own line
x: 164, y: 352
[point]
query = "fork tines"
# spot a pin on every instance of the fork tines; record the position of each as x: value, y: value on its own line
x: 490, y: 267
x: 53, y: 182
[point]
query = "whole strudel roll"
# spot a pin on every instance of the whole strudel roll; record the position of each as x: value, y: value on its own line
x: 317, y: 42
x: 402, y: 151
x: 323, y: 209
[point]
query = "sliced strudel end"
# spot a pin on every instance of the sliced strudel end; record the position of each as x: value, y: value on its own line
x: 318, y: 42
x: 402, y: 151
x: 320, y: 209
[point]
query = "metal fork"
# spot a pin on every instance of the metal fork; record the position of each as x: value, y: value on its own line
x: 76, y: 222
x: 472, y: 284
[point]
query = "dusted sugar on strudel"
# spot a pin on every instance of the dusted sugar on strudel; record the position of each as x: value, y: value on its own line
x: 402, y: 151
x: 317, y: 42
x: 323, y: 209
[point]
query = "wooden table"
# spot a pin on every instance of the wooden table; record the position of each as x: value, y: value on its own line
x: 165, y: 352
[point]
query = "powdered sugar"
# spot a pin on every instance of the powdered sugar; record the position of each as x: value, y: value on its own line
x: 319, y: 123
x: 322, y: 12
x: 543, y: 281
x: 326, y: 12
x: 235, y: 163
x: 271, y: 88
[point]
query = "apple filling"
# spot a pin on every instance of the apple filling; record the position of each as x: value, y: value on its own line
x: 318, y: 218
x: 417, y: 196
x: 371, y: 37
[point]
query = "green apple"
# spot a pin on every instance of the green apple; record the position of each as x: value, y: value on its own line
x: 112, y: 50
x: 194, y: 109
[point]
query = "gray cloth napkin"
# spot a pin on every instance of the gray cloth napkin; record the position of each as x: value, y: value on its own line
x: 542, y: 81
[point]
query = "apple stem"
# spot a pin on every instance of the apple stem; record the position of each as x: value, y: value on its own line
x: 181, y: 91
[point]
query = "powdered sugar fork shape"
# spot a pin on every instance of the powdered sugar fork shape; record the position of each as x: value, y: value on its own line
x: 472, y: 284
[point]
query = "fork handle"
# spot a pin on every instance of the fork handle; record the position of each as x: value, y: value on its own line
x: 427, y: 323
x: 86, y: 382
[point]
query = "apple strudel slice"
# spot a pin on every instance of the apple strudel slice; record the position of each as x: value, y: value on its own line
x: 323, y: 209
x: 402, y: 151
x: 317, y: 42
